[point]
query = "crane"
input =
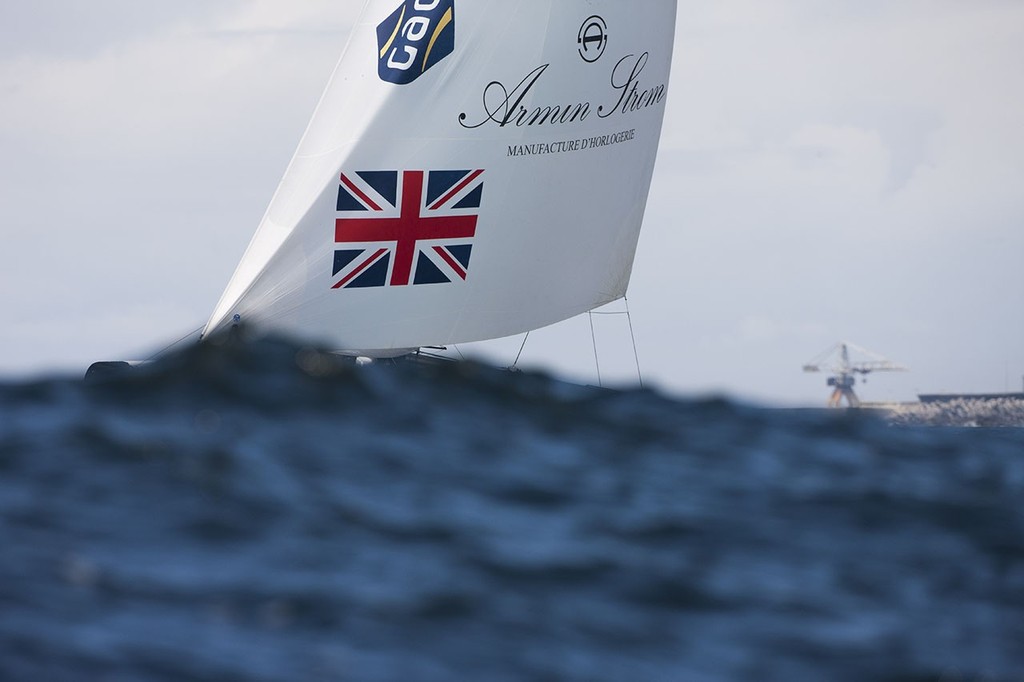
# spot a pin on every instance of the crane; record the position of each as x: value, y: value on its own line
x: 836, y: 360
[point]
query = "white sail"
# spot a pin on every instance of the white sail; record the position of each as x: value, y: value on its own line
x: 475, y: 169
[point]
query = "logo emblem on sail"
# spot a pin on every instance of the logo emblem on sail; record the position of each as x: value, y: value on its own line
x: 593, y: 39
x: 418, y: 35
x: 405, y: 228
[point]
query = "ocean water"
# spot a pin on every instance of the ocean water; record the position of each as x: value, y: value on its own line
x: 262, y: 512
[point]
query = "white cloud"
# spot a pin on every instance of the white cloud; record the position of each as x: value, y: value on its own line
x: 186, y: 88
x: 829, y: 170
x: 854, y: 164
x: 136, y: 171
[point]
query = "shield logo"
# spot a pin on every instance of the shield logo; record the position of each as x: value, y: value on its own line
x: 417, y: 35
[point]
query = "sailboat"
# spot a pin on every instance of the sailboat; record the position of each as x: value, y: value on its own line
x: 475, y: 169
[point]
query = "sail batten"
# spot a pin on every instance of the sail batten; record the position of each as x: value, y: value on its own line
x: 474, y: 169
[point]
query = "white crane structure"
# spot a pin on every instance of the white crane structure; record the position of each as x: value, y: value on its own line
x: 844, y: 370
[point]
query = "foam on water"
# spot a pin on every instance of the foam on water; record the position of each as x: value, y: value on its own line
x: 961, y: 412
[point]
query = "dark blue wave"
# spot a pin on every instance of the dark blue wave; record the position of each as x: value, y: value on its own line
x: 268, y: 512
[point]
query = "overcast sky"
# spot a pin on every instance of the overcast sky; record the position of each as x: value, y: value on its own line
x: 833, y: 170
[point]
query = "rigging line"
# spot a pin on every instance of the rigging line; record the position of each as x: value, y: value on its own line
x: 597, y: 362
x: 167, y: 348
x: 520, y: 354
x: 459, y: 351
x: 636, y: 355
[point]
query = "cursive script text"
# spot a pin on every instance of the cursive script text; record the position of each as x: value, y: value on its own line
x: 631, y: 96
x: 505, y: 107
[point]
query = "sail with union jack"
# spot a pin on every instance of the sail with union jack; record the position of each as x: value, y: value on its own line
x: 400, y: 228
x: 380, y: 238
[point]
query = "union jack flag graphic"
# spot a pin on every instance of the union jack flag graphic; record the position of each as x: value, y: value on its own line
x: 399, y: 228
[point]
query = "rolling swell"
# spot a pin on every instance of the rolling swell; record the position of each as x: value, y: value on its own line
x: 265, y: 512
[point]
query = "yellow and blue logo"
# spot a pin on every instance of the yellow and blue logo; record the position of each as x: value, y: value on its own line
x: 418, y: 35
